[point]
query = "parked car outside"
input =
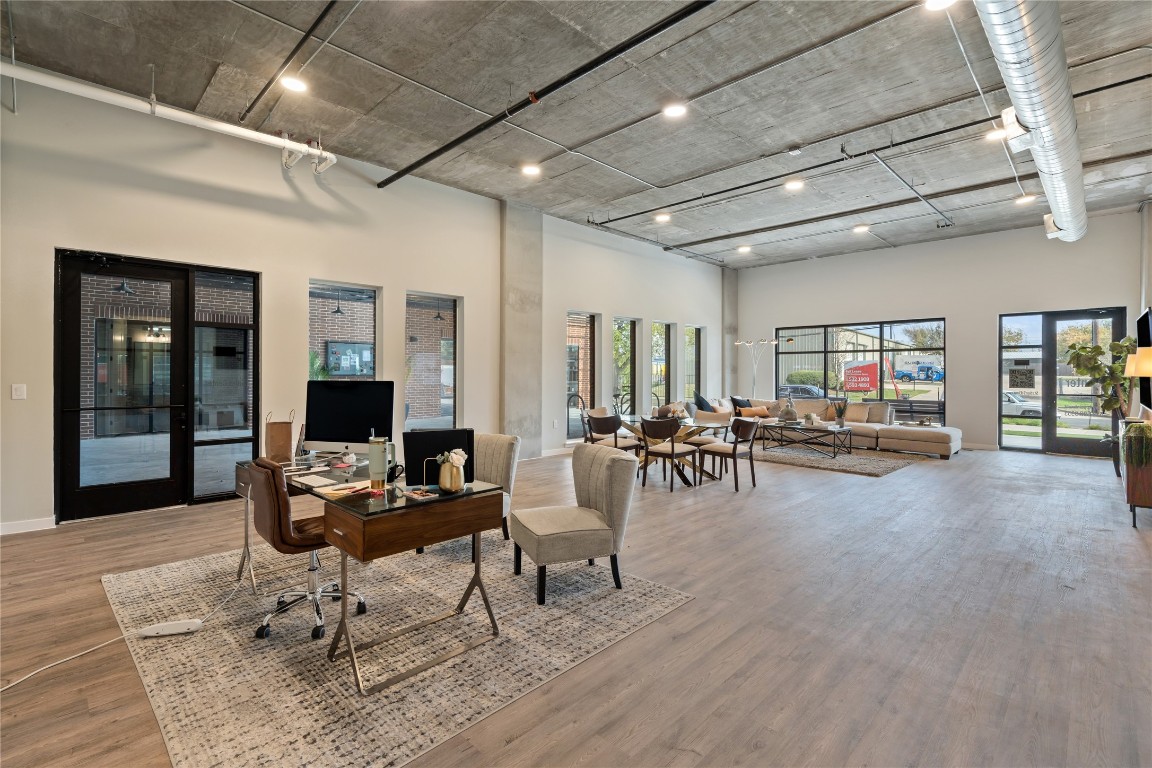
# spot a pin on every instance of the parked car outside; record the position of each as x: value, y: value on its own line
x: 1013, y: 404
x: 800, y: 390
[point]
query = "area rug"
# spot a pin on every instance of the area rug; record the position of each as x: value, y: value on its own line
x: 859, y: 462
x: 223, y: 697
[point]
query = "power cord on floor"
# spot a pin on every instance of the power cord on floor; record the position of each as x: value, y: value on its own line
x: 165, y: 629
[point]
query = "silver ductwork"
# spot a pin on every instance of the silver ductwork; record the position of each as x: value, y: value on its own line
x: 1029, y: 49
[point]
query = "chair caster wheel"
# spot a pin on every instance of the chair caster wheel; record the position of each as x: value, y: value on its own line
x: 336, y: 598
x: 361, y: 608
x: 317, y: 633
x: 280, y: 603
x: 262, y: 631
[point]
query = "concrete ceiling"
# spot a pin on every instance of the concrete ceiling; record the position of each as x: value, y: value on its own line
x: 834, y: 80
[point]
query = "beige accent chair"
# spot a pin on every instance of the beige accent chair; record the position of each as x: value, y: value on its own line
x: 604, y: 482
x: 496, y: 457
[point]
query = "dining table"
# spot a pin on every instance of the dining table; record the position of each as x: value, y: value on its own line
x: 689, y: 428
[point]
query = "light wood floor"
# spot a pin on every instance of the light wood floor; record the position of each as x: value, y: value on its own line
x: 995, y: 609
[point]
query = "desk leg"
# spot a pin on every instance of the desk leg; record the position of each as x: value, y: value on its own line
x: 246, y: 553
x: 343, y: 630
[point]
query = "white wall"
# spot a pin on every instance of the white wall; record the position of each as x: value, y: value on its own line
x: 590, y: 271
x: 83, y: 175
x: 969, y: 281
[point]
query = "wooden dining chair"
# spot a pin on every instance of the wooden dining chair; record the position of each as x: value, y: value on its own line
x: 660, y: 443
x: 744, y: 433
x: 610, y: 426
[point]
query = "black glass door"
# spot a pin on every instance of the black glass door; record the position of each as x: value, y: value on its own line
x: 121, y: 386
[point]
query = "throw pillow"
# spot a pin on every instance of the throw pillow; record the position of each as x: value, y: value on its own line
x: 879, y: 413
x: 740, y: 402
x: 752, y: 412
x: 857, y: 413
x: 703, y: 404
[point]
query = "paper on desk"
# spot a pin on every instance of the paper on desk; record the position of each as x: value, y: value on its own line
x: 346, y: 488
x: 315, y: 481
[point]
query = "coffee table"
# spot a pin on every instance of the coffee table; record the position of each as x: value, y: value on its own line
x: 828, y: 440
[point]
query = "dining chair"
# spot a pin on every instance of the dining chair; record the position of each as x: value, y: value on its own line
x: 660, y: 443
x: 744, y: 433
x: 610, y: 425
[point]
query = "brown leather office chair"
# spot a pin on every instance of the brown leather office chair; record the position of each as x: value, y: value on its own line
x: 272, y: 515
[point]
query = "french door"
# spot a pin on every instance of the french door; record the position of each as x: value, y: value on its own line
x: 1044, y: 404
x: 121, y: 386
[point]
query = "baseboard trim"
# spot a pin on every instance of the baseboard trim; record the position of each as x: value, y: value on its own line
x: 980, y: 447
x: 557, y: 451
x: 24, y: 526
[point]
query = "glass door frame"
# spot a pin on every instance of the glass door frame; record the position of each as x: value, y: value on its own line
x: 254, y: 359
x: 179, y: 487
x: 1050, y: 439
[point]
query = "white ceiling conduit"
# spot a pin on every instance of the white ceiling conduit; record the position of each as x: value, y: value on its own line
x: 1029, y: 49
x: 291, y: 151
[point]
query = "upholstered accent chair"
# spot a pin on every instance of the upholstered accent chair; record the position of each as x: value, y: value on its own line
x: 744, y: 435
x: 496, y: 457
x: 272, y: 515
x: 604, y: 480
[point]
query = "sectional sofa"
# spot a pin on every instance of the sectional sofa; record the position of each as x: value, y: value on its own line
x: 872, y: 424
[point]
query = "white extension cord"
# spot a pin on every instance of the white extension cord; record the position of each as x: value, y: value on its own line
x: 163, y: 629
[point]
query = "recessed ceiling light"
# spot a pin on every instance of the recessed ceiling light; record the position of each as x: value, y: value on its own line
x: 860, y: 229
x: 663, y: 218
x: 294, y: 84
x: 530, y: 170
x: 675, y: 110
x: 744, y: 249
x: 794, y: 184
x: 1025, y: 199
x: 937, y: 5
x: 996, y: 134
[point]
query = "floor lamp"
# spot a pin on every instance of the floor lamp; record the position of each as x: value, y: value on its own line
x: 756, y: 349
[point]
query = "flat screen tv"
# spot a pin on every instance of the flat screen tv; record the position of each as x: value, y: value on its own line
x: 423, y: 444
x: 342, y: 415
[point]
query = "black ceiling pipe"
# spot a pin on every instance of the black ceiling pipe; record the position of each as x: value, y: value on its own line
x: 287, y: 61
x: 555, y: 85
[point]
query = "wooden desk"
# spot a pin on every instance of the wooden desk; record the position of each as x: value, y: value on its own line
x: 367, y: 527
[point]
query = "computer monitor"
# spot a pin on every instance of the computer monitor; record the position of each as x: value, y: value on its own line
x: 424, y: 444
x: 342, y: 415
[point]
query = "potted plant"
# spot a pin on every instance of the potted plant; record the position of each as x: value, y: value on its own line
x: 1138, y: 466
x: 840, y: 407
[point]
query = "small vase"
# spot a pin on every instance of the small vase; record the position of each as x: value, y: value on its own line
x: 788, y: 412
x: 451, y: 477
x: 839, y: 421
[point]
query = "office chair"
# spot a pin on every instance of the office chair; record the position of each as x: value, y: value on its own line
x: 272, y: 514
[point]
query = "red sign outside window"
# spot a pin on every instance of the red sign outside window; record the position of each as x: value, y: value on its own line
x: 861, y: 376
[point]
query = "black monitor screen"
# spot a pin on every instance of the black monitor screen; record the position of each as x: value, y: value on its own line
x: 348, y: 412
x: 428, y: 444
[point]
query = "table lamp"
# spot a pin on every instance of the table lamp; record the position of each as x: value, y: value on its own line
x: 1138, y: 365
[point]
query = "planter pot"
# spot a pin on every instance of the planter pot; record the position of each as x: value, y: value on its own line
x: 1137, y: 467
x: 451, y: 478
x: 839, y: 421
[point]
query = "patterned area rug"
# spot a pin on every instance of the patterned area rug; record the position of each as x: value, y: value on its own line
x: 223, y: 697
x: 859, y: 462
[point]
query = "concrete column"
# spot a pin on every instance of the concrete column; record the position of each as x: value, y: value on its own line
x: 522, y: 326
x: 730, y: 322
